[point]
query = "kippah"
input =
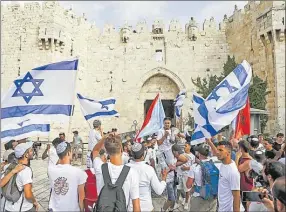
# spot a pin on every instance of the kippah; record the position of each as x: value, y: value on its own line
x: 61, y: 147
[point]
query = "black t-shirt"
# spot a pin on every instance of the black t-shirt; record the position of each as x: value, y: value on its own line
x: 277, y: 146
x: 270, y: 154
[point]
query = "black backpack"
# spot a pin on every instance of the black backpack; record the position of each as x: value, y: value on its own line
x: 112, y: 197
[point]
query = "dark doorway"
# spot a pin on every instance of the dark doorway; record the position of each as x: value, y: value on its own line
x: 168, y: 108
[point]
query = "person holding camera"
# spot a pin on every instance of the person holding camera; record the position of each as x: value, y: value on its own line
x: 278, y: 204
x: 272, y: 170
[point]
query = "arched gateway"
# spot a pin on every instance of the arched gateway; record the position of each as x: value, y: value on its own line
x: 163, y: 81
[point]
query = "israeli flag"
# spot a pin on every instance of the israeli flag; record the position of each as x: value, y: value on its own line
x: 25, y: 129
x: 222, y: 105
x: 44, y: 93
x: 92, y: 109
x: 179, y: 102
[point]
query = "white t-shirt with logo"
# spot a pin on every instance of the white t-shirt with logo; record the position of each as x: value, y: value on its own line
x: 229, y: 180
x: 64, y: 180
x: 130, y: 186
x: 24, y: 177
x: 97, y: 163
x: 148, y: 179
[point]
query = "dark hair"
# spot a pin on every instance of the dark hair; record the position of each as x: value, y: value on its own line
x: 260, y: 134
x: 269, y: 141
x: 259, y: 156
x: 125, y: 144
x: 227, y: 145
x: 9, y: 145
x: 254, y: 143
x: 112, y: 145
x: 114, y: 130
x: 244, y: 145
x: 56, y: 141
x: 67, y: 150
x: 279, y: 134
x: 279, y: 189
x: 167, y: 119
x: 274, y: 168
x: 11, y: 158
x: 75, y: 132
x: 62, y: 133
x: 101, y: 152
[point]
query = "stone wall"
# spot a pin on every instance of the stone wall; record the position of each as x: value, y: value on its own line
x: 257, y: 34
x: 112, y: 62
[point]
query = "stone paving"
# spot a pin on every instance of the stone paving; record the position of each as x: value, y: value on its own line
x: 42, y: 192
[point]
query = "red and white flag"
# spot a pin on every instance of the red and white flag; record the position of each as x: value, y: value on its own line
x: 154, y: 120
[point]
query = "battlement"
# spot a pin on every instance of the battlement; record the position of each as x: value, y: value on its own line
x: 52, y: 10
x: 257, y: 7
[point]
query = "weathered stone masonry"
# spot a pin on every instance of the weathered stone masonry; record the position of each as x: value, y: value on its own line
x: 133, y: 64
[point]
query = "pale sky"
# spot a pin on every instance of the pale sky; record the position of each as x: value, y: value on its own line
x: 116, y: 12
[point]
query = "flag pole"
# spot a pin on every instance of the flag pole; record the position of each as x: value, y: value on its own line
x: 70, y: 119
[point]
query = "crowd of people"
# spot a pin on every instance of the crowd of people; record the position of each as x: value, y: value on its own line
x: 123, y: 174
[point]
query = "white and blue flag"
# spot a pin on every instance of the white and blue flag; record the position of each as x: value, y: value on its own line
x: 222, y: 105
x: 25, y: 129
x: 179, y: 102
x: 44, y: 93
x: 93, y: 109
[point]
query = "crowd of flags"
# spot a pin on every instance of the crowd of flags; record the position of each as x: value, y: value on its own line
x: 46, y: 94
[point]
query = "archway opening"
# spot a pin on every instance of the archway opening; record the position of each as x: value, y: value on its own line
x: 168, y: 89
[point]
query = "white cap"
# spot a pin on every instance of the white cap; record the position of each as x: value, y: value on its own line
x: 20, y: 149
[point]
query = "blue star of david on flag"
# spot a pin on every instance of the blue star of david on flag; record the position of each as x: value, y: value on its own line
x: 224, y: 84
x: 28, y: 96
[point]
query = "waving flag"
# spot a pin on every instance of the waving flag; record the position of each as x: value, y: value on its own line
x: 154, y: 120
x: 243, y: 122
x: 222, y: 105
x: 179, y: 102
x: 92, y: 109
x: 45, y: 93
x: 25, y: 129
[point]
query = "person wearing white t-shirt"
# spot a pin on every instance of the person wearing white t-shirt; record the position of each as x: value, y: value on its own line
x: 113, y: 147
x: 99, y: 158
x: 185, y: 171
x: 24, y: 180
x: 126, y: 146
x: 94, y: 136
x: 67, y: 182
x: 229, y: 178
x: 51, y: 152
x: 197, y: 203
x: 148, y: 178
x: 165, y: 155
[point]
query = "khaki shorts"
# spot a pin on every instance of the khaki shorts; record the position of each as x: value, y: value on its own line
x: 198, y: 204
x: 182, y: 183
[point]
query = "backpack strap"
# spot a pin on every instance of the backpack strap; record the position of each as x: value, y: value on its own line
x: 122, y: 176
x: 105, y: 173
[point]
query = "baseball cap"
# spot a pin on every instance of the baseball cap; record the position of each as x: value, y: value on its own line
x: 203, y: 149
x: 6, y: 154
x: 137, y: 150
x: 20, y: 149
